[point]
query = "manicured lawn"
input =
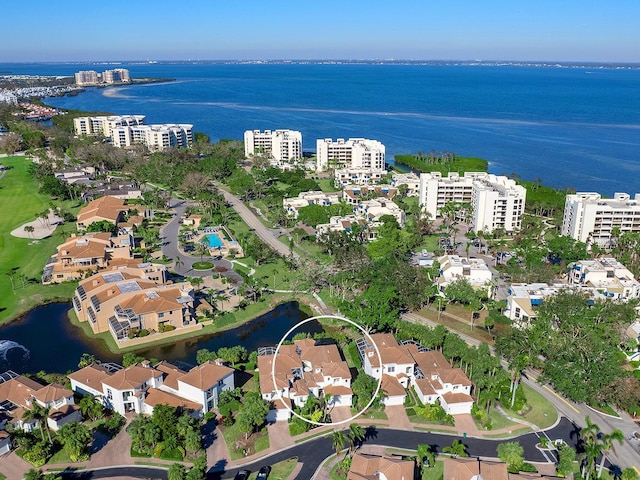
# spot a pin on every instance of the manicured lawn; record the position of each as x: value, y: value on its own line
x: 542, y: 413
x: 326, y: 185
x: 434, y: 473
x: 61, y: 456
x: 280, y: 470
x: 262, y: 443
x: 232, y: 434
x: 21, y: 203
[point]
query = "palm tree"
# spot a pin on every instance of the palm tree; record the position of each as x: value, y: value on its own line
x: 423, y: 451
x: 178, y: 263
x: 338, y: 439
x: 457, y: 449
x: 29, y: 229
x: 356, y: 435
x: 592, y: 447
x: 607, y: 446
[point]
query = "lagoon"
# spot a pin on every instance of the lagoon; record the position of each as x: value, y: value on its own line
x: 44, y: 339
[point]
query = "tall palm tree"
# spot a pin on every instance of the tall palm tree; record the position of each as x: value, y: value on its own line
x: 178, y: 263
x: 356, y: 435
x: 592, y: 447
x: 338, y: 439
x: 607, y: 446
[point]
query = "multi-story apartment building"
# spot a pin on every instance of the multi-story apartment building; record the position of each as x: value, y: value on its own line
x: 354, y: 153
x: 373, y: 210
x: 592, y: 219
x: 91, y: 77
x: 411, y: 180
x: 354, y: 194
x: 473, y: 270
x: 280, y: 145
x: 104, y: 125
x: 301, y: 370
x: 496, y: 201
x: 119, y: 301
x: 155, y: 137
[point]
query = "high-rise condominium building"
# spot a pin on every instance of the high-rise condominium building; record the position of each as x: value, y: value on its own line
x: 496, y: 201
x: 281, y: 145
x: 355, y: 153
x: 155, y: 137
x: 91, y: 77
x: 590, y: 218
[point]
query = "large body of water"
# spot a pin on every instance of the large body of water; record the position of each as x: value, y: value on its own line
x: 44, y: 339
x: 577, y: 127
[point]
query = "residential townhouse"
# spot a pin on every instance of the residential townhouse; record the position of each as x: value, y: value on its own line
x: 88, y: 253
x: 592, y: 219
x: 301, y: 370
x: 373, y: 211
x: 138, y: 388
x: 283, y: 146
x: 474, y: 469
x: 19, y: 394
x: 412, y: 366
x: 349, y: 224
x: 474, y: 270
x: 107, y: 208
x: 497, y: 202
x: 293, y: 205
x: 607, y: 275
x: 121, y: 301
x: 354, y: 153
x: 411, y: 180
x: 354, y: 194
x: 374, y: 467
x: 357, y: 176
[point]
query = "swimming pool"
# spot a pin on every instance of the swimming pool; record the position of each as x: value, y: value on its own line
x: 212, y: 240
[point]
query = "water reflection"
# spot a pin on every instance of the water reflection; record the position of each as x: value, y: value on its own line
x: 54, y: 345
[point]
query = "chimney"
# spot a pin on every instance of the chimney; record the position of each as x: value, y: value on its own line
x: 146, y: 364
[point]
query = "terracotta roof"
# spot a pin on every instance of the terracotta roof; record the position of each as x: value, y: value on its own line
x: 4, y: 434
x: 19, y: 390
x: 425, y: 386
x: 172, y: 374
x: 391, y: 386
x: 52, y: 392
x: 390, y: 350
x: 451, y: 398
x: 107, y: 207
x: 165, y: 300
x: 454, y: 376
x: 372, y: 467
x: 466, y: 468
x: 157, y: 397
x: 338, y: 390
x: 131, y: 377
x: 91, y: 376
x: 59, y: 413
x: 206, y: 375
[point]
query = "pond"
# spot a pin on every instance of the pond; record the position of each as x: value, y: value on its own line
x: 44, y: 339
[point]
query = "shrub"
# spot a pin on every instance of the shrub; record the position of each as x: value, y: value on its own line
x: 143, y: 333
x: 227, y: 421
x: 158, y: 450
x: 209, y: 416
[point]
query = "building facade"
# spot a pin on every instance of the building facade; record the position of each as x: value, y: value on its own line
x: 104, y: 125
x: 497, y: 202
x: 281, y: 145
x: 592, y: 219
x: 354, y: 153
x: 154, y: 137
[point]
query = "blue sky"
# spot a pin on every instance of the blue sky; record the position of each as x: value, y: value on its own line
x: 558, y: 30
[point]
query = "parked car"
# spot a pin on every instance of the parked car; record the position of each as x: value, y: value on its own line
x: 264, y: 472
x: 242, y: 475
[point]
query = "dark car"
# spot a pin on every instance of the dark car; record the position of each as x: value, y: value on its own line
x: 242, y: 475
x: 264, y: 473
x: 189, y: 248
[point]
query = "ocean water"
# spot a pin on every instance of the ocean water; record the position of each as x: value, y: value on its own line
x: 570, y: 127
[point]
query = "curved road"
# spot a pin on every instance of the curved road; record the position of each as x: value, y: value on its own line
x: 314, y: 452
x: 169, y: 236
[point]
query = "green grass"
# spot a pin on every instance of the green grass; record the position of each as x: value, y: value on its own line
x: 202, y: 265
x: 317, y: 434
x: 542, y: 413
x: 2, y: 476
x: 460, y: 164
x: 61, y: 456
x: 280, y: 470
x: 514, y: 433
x: 19, y: 196
x: 327, y: 185
x: 262, y: 443
x: 434, y: 473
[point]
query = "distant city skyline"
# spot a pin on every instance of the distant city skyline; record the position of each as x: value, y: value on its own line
x: 118, y: 30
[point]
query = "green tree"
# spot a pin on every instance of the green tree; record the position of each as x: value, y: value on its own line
x: 131, y: 358
x: 590, y: 436
x: 566, y: 457
x: 456, y: 449
x: 313, y: 215
x: 76, y: 437
x: 356, y: 436
x: 425, y: 455
x: 608, y: 446
x: 629, y: 474
x: 90, y: 407
x: 364, y: 387
x: 176, y: 472
x: 87, y: 359
x: 511, y: 453
x: 338, y: 439
x: 252, y: 414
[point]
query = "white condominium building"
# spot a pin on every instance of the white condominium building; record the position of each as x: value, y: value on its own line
x: 607, y: 275
x: 497, y: 201
x: 590, y: 218
x: 355, y: 153
x: 104, y: 125
x: 155, y: 137
x: 91, y: 77
x: 357, y: 176
x: 282, y: 145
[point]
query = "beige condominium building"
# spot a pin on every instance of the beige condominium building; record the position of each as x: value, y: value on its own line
x: 154, y: 137
x: 354, y: 153
x: 103, y: 125
x: 496, y: 200
x: 281, y: 145
x: 592, y: 219
x: 91, y: 77
x: 119, y: 301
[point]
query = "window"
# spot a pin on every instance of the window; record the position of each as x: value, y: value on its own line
x: 391, y: 368
x: 161, y: 315
x: 109, y: 394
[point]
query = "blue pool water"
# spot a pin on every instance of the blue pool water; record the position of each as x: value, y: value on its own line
x: 212, y: 240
